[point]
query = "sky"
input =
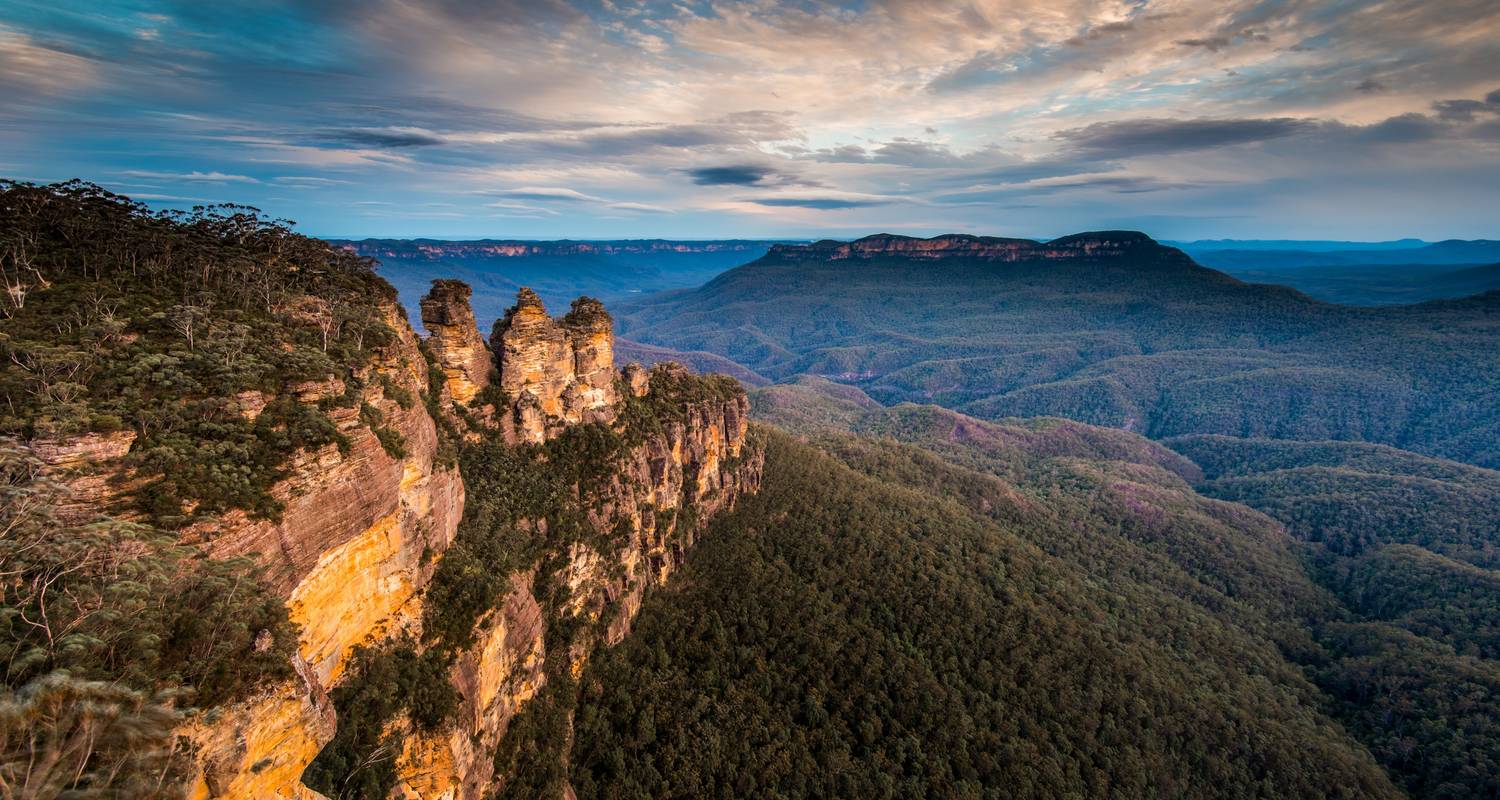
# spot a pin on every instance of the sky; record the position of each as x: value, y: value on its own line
x: 695, y: 119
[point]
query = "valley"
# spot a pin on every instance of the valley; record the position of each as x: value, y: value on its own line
x: 1073, y: 518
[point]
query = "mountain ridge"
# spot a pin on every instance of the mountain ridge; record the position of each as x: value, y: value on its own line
x: 992, y: 248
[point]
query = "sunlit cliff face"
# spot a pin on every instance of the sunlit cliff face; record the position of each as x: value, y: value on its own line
x: 547, y: 119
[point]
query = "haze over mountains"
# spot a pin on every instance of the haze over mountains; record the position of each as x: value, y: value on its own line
x: 558, y: 271
x: 1110, y: 328
x: 1351, y: 273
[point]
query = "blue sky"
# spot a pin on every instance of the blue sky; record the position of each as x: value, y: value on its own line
x: 484, y: 118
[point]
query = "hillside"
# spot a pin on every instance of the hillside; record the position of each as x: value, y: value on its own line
x: 878, y: 622
x: 263, y: 540
x: 1290, y: 256
x: 1398, y: 638
x: 1108, y: 328
x: 1378, y: 284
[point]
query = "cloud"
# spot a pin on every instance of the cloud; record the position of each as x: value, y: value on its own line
x: 830, y: 200
x: 570, y: 196
x: 188, y: 177
x: 1211, y: 43
x: 1115, y: 184
x: 730, y: 175
x: 1463, y: 110
x: 915, y: 153
x: 533, y: 210
x: 1403, y: 128
x: 391, y: 138
x: 595, y: 111
x: 308, y: 180
x: 821, y: 203
x: 28, y: 67
x: 1102, y: 31
x: 982, y: 69
x: 1157, y: 136
x: 547, y: 193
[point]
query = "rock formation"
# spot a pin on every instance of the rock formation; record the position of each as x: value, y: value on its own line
x: 364, y: 531
x: 556, y: 372
x: 357, y: 542
x: 455, y: 339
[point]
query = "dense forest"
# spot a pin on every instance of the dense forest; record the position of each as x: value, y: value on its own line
x: 865, y: 627
x: 1144, y: 340
x: 1398, y: 638
x: 117, y: 318
x: 1410, y: 544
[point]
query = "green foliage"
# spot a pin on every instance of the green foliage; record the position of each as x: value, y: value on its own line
x: 447, y: 434
x: 106, y: 627
x: 1350, y: 496
x: 381, y: 683
x: 526, y: 504
x: 391, y: 389
x: 1409, y: 543
x: 160, y: 322
x: 1431, y: 717
x: 865, y: 632
x: 390, y: 439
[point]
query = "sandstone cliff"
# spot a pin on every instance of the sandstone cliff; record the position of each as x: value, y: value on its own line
x: 673, y: 453
x: 467, y: 362
x: 365, y: 528
x: 556, y: 372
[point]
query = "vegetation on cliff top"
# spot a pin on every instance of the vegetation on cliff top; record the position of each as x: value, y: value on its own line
x: 108, y: 631
x: 116, y: 317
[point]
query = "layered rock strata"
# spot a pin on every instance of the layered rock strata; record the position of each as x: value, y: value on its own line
x: 555, y: 373
x: 363, y: 532
x: 466, y: 360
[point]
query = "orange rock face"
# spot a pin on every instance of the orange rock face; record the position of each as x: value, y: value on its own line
x: 360, y: 537
x: 455, y: 338
x: 557, y: 372
x: 664, y: 492
x: 363, y: 532
x: 986, y: 248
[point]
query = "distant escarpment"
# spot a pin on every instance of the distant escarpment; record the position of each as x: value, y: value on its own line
x: 510, y: 248
x: 284, y: 546
x: 1095, y: 244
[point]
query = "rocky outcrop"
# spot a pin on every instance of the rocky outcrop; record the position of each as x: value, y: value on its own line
x: 454, y: 338
x: 85, y: 464
x: 496, y: 677
x: 365, y: 527
x: 693, y: 463
x: 359, y: 538
x: 555, y: 372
